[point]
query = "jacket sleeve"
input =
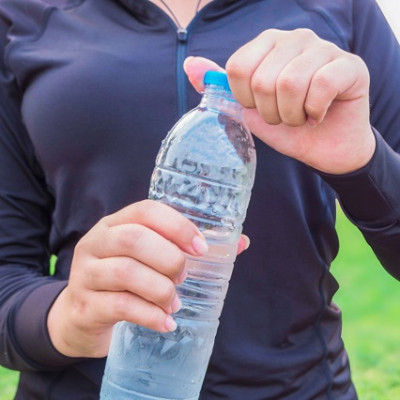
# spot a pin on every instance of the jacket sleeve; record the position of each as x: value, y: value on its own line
x: 26, y: 288
x: 371, y: 196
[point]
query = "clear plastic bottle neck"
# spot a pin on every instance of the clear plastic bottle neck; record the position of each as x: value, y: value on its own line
x: 220, y: 99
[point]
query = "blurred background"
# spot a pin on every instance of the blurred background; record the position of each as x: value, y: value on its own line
x: 391, y: 9
x: 369, y: 299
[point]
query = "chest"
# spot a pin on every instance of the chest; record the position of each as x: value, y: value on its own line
x: 104, y: 85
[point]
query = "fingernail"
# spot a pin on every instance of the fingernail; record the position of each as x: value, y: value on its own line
x: 199, y: 245
x: 246, y: 241
x: 170, y: 325
x: 176, y: 304
x: 243, y: 244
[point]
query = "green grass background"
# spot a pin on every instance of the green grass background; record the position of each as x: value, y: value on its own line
x: 370, y: 302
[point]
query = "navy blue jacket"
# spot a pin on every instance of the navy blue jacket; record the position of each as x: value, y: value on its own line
x: 88, y: 88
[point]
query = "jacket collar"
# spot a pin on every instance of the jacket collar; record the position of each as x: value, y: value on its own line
x: 146, y: 12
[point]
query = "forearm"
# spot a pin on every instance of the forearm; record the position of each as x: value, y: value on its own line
x: 24, y: 338
x: 370, y: 198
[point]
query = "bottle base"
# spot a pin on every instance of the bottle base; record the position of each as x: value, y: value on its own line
x: 110, y: 391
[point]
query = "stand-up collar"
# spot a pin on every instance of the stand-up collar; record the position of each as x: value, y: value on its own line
x: 145, y: 10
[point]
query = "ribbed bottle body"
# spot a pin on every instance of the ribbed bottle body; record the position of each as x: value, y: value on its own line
x: 205, y: 169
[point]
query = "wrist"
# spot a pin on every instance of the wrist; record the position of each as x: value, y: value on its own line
x: 55, y: 326
x: 362, y: 154
x: 353, y: 158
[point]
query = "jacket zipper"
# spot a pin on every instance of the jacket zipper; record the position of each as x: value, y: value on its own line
x: 181, y: 81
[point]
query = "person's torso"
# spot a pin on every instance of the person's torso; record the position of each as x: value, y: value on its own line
x: 102, y: 84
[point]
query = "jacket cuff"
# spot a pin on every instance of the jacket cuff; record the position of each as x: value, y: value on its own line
x: 370, y: 196
x: 30, y: 327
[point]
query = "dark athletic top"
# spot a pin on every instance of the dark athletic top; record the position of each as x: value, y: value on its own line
x: 88, y: 88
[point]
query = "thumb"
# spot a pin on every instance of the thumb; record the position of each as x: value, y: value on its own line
x: 195, y: 69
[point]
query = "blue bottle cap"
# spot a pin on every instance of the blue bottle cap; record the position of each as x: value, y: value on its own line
x: 216, y: 78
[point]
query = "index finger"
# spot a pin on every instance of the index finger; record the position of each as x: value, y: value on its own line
x: 164, y: 220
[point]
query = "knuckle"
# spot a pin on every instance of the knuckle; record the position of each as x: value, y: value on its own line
x: 92, y: 275
x: 357, y: 60
x: 293, y: 115
x: 330, y: 48
x: 271, y: 118
x: 102, y: 225
x: 289, y: 85
x: 324, y: 82
x: 146, y: 203
x: 166, y: 293
x: 305, y: 34
x: 182, y: 229
x: 180, y: 259
x: 120, y: 274
x: 83, y: 244
x: 120, y: 306
x: 88, y: 242
x: 154, y: 318
x: 236, y: 69
x: 261, y: 85
x: 145, y: 207
x: 129, y: 236
x: 266, y: 33
x: 361, y: 67
x: 104, y: 221
x: 80, y: 308
x: 175, y: 263
x: 293, y: 121
x: 312, y: 110
x: 270, y: 34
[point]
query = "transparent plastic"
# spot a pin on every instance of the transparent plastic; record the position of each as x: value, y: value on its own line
x: 205, y: 169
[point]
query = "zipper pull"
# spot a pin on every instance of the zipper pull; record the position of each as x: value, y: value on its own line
x: 182, y: 34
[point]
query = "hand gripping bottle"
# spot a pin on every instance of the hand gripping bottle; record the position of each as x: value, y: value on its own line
x: 205, y: 169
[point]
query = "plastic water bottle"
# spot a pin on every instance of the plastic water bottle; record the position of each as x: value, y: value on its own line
x: 205, y: 169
